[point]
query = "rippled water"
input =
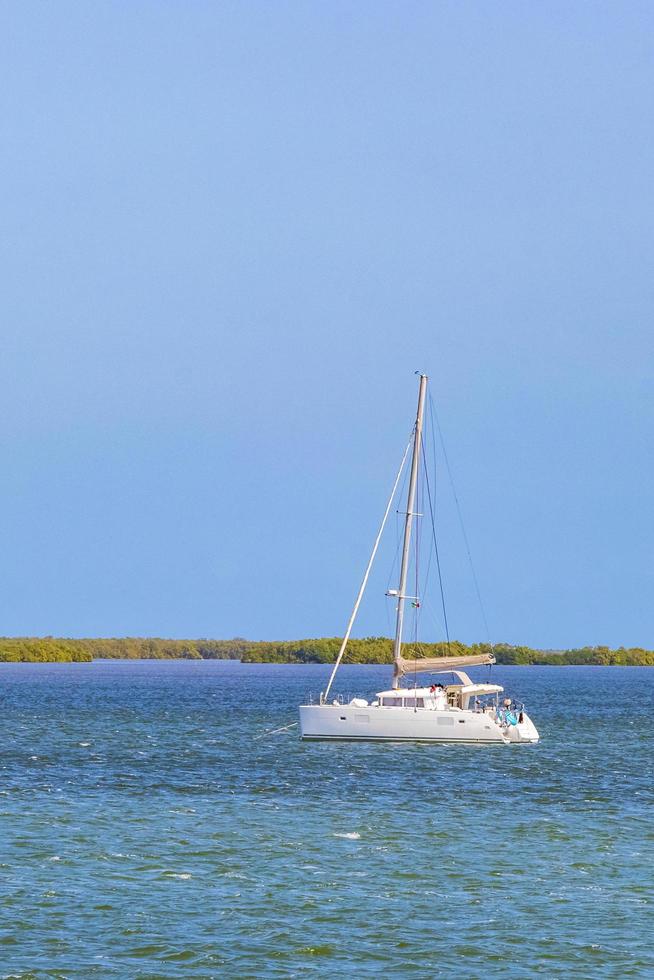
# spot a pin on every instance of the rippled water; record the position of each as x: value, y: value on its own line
x: 145, y: 833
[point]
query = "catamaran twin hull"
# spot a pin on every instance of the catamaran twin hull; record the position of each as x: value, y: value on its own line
x: 460, y: 712
x: 377, y: 723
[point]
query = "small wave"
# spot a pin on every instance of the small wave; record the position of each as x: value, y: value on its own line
x: 174, y: 874
x: 351, y: 836
x: 324, y: 950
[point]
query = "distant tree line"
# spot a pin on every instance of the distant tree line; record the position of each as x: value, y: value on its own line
x: 53, y: 649
x: 370, y: 650
x: 379, y: 650
x: 45, y: 650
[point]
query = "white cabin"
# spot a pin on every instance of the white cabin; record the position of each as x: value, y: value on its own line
x: 436, y: 697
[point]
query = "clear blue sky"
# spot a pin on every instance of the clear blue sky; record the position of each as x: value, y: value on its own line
x: 230, y: 234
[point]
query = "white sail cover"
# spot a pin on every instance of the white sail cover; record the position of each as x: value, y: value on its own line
x: 425, y: 664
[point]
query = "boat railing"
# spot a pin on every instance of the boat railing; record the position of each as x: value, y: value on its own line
x: 313, y: 698
x: 341, y: 699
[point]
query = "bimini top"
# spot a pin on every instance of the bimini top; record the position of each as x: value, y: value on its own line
x: 437, y: 664
x: 481, y: 689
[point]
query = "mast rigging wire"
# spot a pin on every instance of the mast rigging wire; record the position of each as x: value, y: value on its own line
x: 438, y: 561
x: 362, y: 588
x: 434, y: 413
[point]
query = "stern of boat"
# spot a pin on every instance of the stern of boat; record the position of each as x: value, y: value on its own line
x: 524, y: 731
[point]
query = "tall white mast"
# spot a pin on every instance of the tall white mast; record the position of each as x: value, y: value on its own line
x: 408, y: 522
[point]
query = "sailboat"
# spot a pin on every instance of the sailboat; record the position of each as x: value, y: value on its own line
x: 450, y: 709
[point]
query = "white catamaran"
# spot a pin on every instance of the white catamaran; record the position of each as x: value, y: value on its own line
x: 456, y: 711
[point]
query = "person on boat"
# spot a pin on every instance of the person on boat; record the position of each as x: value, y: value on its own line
x: 440, y: 699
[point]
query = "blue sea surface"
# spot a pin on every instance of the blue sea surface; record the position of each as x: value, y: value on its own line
x: 146, y: 832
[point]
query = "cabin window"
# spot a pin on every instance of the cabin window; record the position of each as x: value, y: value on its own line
x: 392, y: 702
x: 414, y: 702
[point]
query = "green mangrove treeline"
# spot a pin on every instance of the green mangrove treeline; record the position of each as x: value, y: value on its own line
x: 45, y: 650
x: 379, y: 650
x: 55, y: 650
x: 371, y: 650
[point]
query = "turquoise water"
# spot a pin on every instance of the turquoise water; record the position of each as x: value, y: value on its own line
x: 144, y: 833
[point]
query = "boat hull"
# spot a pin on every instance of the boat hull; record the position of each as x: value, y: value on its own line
x: 345, y: 722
